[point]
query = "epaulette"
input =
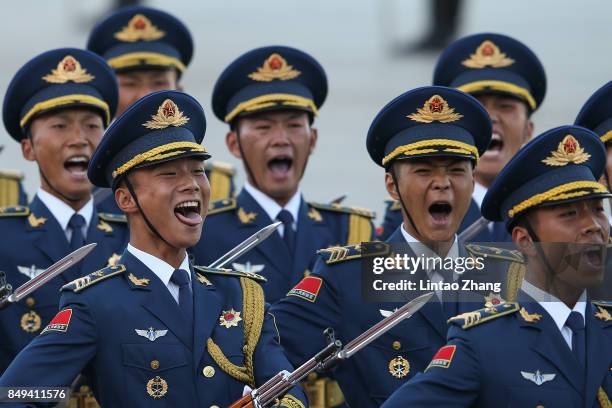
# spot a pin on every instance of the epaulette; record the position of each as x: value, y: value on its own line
x: 14, y: 211
x: 364, y: 212
x: 11, y: 174
x: 86, y: 281
x: 110, y: 217
x: 471, y: 319
x: 221, y: 167
x: 393, y: 205
x: 229, y: 272
x: 215, y: 207
x: 603, y: 303
x: 494, y: 252
x: 337, y: 254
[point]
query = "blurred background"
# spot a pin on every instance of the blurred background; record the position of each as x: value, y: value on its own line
x: 372, y: 50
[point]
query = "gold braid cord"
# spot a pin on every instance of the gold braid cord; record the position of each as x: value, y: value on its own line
x: 603, y: 398
x: 9, y: 192
x: 360, y: 229
x: 253, y: 305
x: 290, y: 401
x: 516, y: 273
x: 253, y: 313
x: 220, y: 185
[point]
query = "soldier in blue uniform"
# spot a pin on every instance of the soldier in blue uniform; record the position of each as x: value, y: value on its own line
x: 269, y: 97
x: 509, y: 80
x: 57, y: 106
x: 149, y: 50
x: 153, y: 329
x: 428, y: 141
x: 552, y: 347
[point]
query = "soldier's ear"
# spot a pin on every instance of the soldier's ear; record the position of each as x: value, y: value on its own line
x: 27, y: 149
x: 314, y: 136
x: 390, y: 185
x: 231, y: 141
x: 523, y: 241
x: 124, y: 199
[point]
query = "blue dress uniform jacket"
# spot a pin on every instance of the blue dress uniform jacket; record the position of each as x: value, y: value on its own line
x: 370, y: 376
x: 163, y: 364
x: 230, y: 222
x: 515, y: 356
x: 34, y: 241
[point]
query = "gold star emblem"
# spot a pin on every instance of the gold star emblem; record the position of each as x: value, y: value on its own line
x: 274, y: 67
x: 230, y: 318
x: 68, y: 69
x: 435, y: 109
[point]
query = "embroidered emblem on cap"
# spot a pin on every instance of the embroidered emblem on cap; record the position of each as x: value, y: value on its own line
x: 435, y: 109
x: 488, y: 55
x: 139, y: 28
x: 275, y: 67
x: 568, y: 151
x: 68, y: 69
x: 230, y: 318
x: 168, y: 114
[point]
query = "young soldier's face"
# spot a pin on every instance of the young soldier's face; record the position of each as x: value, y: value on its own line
x: 511, y: 129
x: 62, y: 143
x: 276, y: 146
x: 133, y: 85
x: 576, y: 234
x: 174, y: 196
x: 436, y: 192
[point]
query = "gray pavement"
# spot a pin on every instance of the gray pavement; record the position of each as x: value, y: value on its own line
x: 351, y: 39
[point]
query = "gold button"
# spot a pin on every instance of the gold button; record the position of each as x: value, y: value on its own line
x: 155, y: 364
x: 397, y: 345
x: 208, y: 371
x: 30, y: 302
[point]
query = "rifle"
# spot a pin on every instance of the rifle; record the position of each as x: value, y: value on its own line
x: 272, y: 390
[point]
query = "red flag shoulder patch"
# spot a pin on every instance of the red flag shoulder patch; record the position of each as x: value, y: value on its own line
x: 443, y: 357
x: 60, y: 322
x: 308, y: 288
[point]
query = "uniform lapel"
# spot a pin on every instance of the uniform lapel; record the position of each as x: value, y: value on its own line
x: 51, y: 238
x: 207, y: 310
x: 549, y: 343
x: 273, y: 248
x: 306, y: 243
x: 599, y: 353
x: 159, y: 301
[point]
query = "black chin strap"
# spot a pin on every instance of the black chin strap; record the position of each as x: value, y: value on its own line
x: 536, y: 241
x: 392, y: 171
x: 130, y: 188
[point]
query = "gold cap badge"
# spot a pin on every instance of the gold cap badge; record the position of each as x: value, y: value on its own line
x: 68, y: 69
x: 139, y: 28
x: 168, y: 114
x: 568, y: 151
x: 435, y: 109
x: 274, y: 67
x: 488, y: 55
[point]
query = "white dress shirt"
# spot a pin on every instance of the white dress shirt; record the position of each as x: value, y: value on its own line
x: 160, y: 268
x: 272, y: 208
x: 422, y: 249
x: 479, y: 193
x: 556, y: 308
x: 63, y: 212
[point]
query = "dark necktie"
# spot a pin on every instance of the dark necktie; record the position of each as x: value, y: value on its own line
x: 575, y: 321
x: 180, y: 278
x: 76, y: 223
x: 289, y: 234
